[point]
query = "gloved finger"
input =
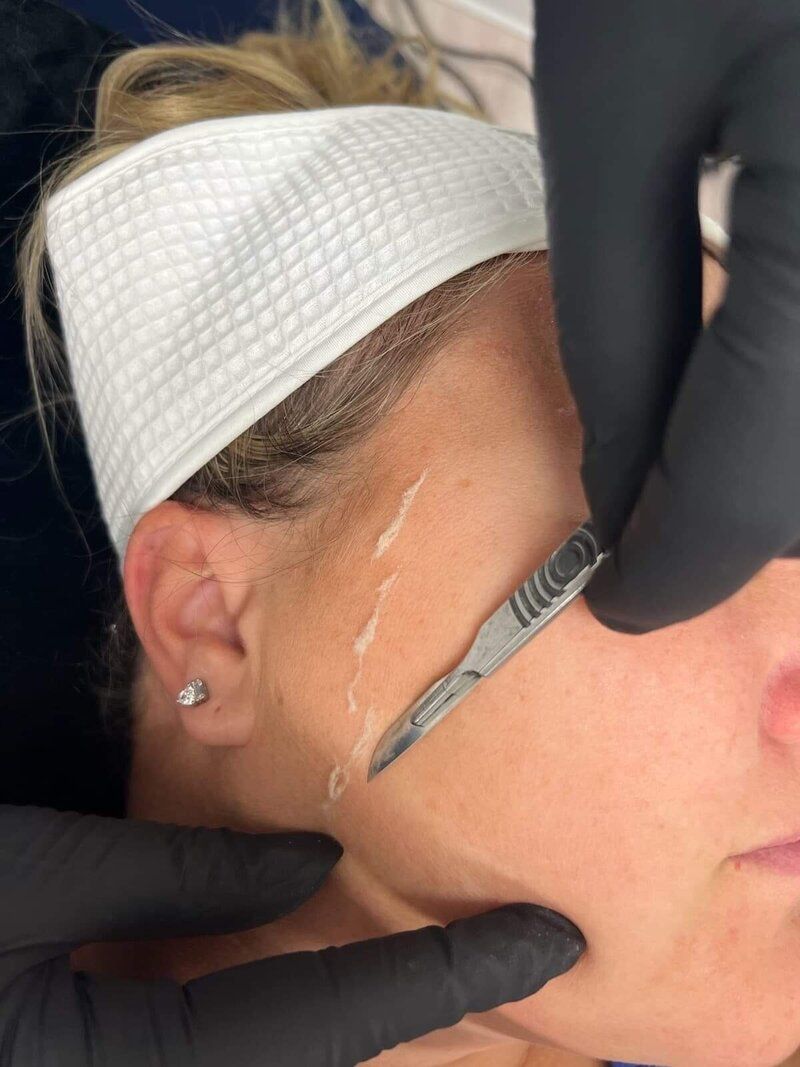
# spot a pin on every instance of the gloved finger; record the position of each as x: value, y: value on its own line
x: 69, y: 879
x: 336, y: 1007
x: 722, y: 500
x: 621, y: 178
x: 342, y: 1006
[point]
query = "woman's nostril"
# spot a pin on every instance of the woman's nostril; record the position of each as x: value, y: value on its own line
x: 780, y: 709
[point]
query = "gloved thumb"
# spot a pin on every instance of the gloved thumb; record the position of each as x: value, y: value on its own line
x: 68, y: 879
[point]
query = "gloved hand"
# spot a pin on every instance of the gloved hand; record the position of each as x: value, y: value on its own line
x: 68, y: 879
x: 691, y: 449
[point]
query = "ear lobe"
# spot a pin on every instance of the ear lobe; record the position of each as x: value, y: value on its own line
x: 189, y: 623
x: 218, y: 721
x: 227, y: 718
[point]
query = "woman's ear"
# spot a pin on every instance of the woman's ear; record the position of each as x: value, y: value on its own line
x: 188, y: 612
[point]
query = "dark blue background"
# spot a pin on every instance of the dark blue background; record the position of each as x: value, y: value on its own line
x: 210, y: 20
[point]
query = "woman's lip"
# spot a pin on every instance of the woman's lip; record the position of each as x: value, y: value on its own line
x: 783, y: 858
x: 793, y: 839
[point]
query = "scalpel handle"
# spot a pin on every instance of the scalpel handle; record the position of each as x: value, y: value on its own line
x: 540, y: 598
x: 567, y: 570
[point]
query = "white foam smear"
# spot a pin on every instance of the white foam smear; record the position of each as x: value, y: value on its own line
x: 366, y: 637
x: 393, y: 529
x: 340, y: 775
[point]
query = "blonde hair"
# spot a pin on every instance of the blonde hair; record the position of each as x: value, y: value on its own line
x: 281, y: 465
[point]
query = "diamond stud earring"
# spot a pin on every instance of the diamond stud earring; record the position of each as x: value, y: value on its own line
x: 194, y: 693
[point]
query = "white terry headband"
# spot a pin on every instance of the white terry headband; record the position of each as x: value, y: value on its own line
x: 207, y: 272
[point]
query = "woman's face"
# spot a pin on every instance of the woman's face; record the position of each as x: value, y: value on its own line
x: 609, y: 777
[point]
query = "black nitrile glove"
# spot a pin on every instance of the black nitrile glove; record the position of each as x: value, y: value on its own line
x: 68, y: 879
x: 691, y: 438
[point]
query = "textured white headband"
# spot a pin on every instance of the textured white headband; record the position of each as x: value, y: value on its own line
x: 207, y: 272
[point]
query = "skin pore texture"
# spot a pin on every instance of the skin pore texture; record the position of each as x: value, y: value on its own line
x: 607, y: 776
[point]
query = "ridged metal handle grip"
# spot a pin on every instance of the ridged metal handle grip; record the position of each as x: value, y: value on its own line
x: 536, y: 594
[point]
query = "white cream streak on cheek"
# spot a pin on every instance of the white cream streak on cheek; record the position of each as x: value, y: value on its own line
x: 366, y: 637
x: 393, y: 529
x: 340, y: 775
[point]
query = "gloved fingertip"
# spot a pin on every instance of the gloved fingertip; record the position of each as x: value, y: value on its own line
x: 617, y: 626
x: 602, y: 589
x: 328, y: 851
x: 569, y: 941
x: 313, y: 854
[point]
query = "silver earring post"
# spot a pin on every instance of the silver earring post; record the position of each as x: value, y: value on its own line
x: 195, y: 692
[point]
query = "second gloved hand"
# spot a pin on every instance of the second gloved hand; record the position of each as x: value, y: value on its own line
x: 691, y: 454
x: 69, y: 879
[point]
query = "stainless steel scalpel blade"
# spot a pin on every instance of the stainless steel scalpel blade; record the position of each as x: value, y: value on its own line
x: 527, y: 611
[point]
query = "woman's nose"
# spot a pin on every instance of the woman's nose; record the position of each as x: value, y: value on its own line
x: 780, y: 705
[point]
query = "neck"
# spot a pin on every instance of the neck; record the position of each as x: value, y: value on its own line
x: 352, y: 905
